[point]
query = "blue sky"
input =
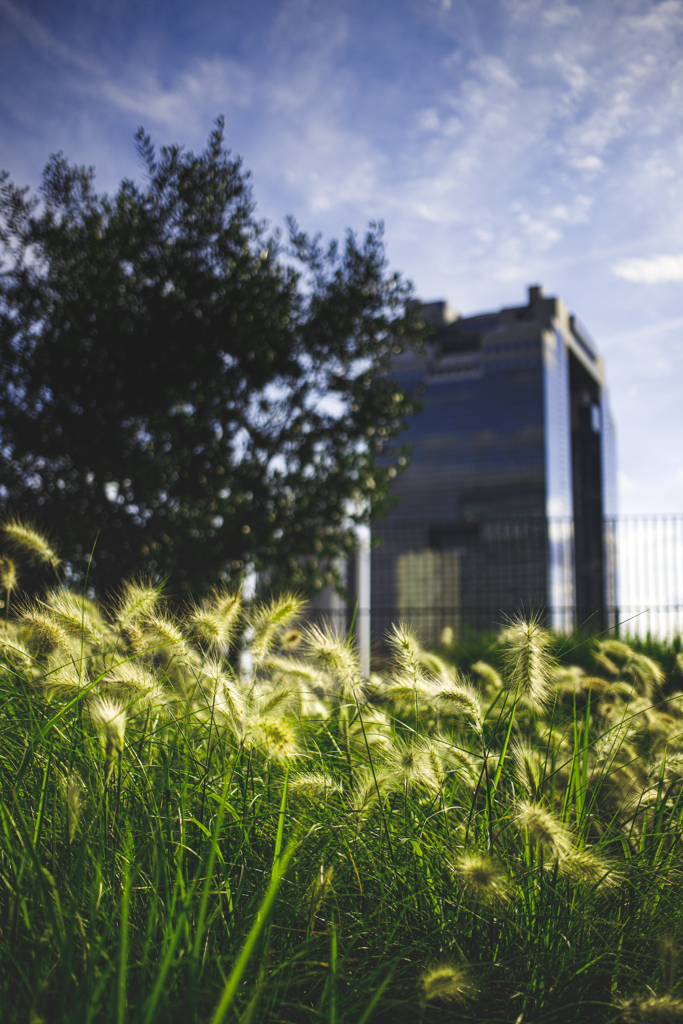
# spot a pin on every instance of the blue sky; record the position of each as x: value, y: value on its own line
x: 503, y: 142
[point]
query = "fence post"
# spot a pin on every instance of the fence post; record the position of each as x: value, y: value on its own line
x: 362, y: 531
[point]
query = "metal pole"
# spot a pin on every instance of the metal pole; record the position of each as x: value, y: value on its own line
x: 363, y: 597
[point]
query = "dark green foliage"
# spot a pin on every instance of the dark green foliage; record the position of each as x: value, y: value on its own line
x: 162, y: 371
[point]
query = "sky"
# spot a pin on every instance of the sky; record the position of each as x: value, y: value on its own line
x: 503, y: 143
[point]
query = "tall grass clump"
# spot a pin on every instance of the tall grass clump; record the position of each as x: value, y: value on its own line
x: 207, y: 815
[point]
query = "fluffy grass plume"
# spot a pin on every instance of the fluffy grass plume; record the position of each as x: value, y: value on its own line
x: 482, y: 876
x: 488, y: 674
x: 447, y: 983
x: 543, y: 827
x: 108, y: 718
x: 33, y: 543
x: 136, y: 601
x: 44, y: 630
x: 268, y: 621
x: 215, y: 620
x: 332, y: 653
x: 174, y: 822
x: 526, y: 644
x: 667, y: 1009
x: 9, y: 574
x: 75, y: 799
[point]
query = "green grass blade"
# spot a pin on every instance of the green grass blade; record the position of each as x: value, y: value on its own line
x: 232, y: 984
x: 376, y: 996
x: 281, y: 823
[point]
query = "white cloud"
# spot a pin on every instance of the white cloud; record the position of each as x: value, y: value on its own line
x: 590, y: 163
x: 573, y: 73
x: 560, y: 14
x: 546, y: 147
x: 207, y: 85
x: 662, y: 18
x: 655, y: 270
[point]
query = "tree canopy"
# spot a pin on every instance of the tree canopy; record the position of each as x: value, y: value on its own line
x: 182, y: 390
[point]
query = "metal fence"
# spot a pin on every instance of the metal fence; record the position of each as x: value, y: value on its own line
x: 649, y: 552
x: 462, y: 580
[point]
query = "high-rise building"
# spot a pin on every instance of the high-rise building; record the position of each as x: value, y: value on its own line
x: 504, y: 504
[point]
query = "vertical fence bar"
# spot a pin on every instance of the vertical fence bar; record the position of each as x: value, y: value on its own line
x: 478, y: 575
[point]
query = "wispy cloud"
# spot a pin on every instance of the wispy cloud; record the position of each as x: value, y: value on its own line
x: 503, y: 143
x: 652, y: 270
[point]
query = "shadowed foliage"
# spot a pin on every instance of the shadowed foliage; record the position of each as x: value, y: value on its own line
x: 176, y: 387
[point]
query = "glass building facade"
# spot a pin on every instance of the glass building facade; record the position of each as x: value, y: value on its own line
x: 512, y: 473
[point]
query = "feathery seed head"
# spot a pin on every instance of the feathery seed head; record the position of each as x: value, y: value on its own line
x: 646, y: 673
x: 269, y: 620
x: 487, y: 673
x: 135, y: 602
x: 543, y: 828
x: 134, y: 638
x: 567, y: 677
x: 291, y: 639
x: 318, y: 890
x: 45, y: 631
x: 435, y: 665
x: 163, y: 637
x: 412, y: 766
x: 293, y: 669
x: 448, y: 983
x: 528, y: 663
x: 459, y: 697
x: 617, y: 658
x: 407, y: 649
x: 278, y: 699
x: 589, y: 868
x: 205, y: 627
x: 364, y: 795
x: 277, y: 737
x: 652, y: 1010
x: 132, y: 683
x: 528, y: 769
x: 109, y: 720
x: 332, y: 653
x: 481, y: 875
x: 616, y: 648
x: 313, y: 784
x: 75, y: 797
x: 8, y: 574
x: 218, y: 693
x: 447, y: 636
x: 30, y: 540
x: 605, y: 663
x: 78, y: 616
x: 407, y: 688
x: 12, y: 647
x: 374, y: 728
x: 230, y: 702
x: 456, y: 759
x: 61, y: 676
x: 227, y: 605
x: 214, y: 621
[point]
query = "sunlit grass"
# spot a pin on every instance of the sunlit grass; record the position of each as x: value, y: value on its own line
x: 184, y: 840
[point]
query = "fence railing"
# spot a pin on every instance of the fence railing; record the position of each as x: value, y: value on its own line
x: 460, y: 579
x: 649, y: 551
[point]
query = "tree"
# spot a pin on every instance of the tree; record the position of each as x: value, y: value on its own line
x: 180, y: 390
